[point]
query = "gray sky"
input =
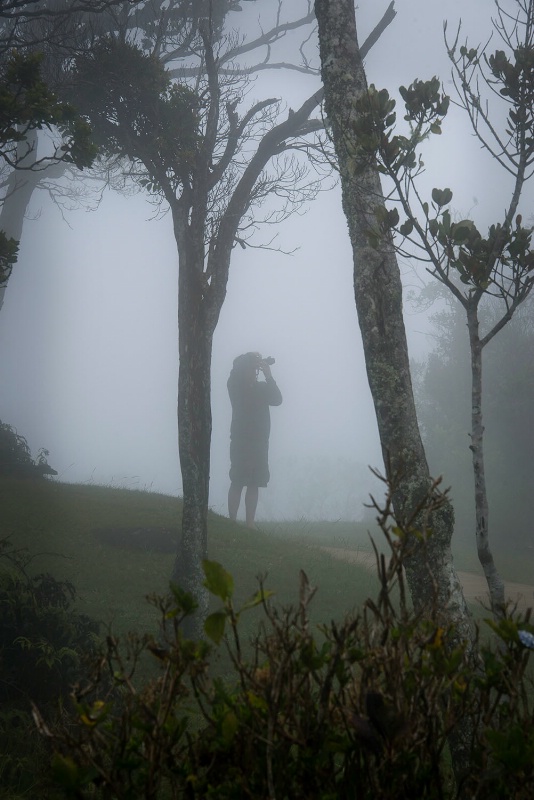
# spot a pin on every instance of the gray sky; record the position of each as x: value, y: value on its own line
x: 88, y: 332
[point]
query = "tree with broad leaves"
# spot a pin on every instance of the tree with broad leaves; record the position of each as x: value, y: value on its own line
x: 28, y: 105
x: 36, y: 38
x: 41, y: 139
x: 471, y: 264
x: 186, y: 134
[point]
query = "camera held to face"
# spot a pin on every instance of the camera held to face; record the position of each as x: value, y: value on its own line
x: 269, y: 361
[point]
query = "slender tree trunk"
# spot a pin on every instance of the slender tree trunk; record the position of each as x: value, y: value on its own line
x: 194, y: 420
x: 485, y: 556
x: 19, y: 190
x: 20, y: 187
x: 194, y: 436
x: 378, y: 294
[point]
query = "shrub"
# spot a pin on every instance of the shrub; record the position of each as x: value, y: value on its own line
x: 41, y: 636
x: 363, y: 709
x: 15, y: 456
x: 42, y: 644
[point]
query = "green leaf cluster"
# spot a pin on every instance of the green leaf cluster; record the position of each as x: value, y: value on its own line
x: 135, y: 110
x: 43, y: 642
x: 516, y: 75
x: 41, y: 636
x: 15, y: 455
x: 25, y: 100
x: 375, y: 120
x: 27, y: 103
x: 374, y: 117
x: 9, y: 250
x: 441, y: 197
x: 425, y: 104
x: 220, y: 583
x: 477, y: 258
x: 470, y: 55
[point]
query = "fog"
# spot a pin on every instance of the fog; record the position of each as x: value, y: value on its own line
x: 88, y: 331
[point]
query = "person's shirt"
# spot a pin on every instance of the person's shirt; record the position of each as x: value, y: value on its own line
x: 250, y: 407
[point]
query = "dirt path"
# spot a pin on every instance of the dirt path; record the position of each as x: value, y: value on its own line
x: 475, y: 587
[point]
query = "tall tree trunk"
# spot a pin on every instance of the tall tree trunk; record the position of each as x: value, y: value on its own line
x: 20, y: 186
x: 195, y: 336
x: 485, y: 556
x: 19, y: 189
x: 378, y: 294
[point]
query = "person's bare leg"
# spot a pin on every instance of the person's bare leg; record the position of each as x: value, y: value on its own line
x: 234, y: 499
x: 251, y: 503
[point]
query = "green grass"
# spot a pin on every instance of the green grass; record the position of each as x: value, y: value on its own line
x: 61, y: 526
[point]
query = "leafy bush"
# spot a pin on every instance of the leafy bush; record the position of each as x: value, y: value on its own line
x: 42, y: 643
x: 41, y: 637
x: 363, y: 709
x: 15, y: 456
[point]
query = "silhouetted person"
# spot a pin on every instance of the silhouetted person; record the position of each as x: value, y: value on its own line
x: 249, y: 433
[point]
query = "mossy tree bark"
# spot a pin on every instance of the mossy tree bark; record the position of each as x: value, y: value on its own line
x: 378, y: 296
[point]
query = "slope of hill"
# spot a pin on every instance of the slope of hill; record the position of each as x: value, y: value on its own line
x: 117, y: 546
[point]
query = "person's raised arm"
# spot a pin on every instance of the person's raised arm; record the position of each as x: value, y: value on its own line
x: 274, y: 396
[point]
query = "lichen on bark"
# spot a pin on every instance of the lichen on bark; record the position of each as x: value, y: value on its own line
x: 378, y: 297
x: 432, y: 578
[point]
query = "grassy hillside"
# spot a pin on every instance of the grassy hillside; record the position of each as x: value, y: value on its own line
x: 117, y: 545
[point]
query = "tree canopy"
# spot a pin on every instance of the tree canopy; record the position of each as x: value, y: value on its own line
x: 136, y: 111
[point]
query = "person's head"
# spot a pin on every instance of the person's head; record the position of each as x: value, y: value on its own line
x: 246, y: 366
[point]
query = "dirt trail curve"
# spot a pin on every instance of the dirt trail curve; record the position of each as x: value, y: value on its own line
x: 474, y: 586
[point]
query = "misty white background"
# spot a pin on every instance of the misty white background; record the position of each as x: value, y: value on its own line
x: 88, y: 331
